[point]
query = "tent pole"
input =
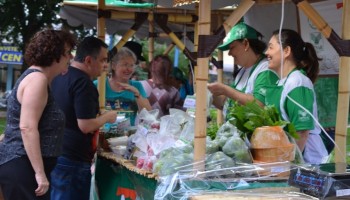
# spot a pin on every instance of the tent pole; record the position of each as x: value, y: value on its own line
x: 101, y: 31
x: 341, y: 46
x: 173, y: 18
x: 195, y: 49
x: 139, y: 20
x: 220, y: 79
x: 168, y: 49
x: 343, y: 93
x: 162, y: 24
x: 201, y: 85
x: 151, y: 37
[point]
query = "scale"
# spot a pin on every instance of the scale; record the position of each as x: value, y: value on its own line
x: 324, y: 181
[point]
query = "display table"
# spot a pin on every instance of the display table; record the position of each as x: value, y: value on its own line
x: 276, y: 193
x: 117, y: 178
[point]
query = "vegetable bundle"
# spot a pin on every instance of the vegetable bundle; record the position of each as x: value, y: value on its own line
x: 250, y: 116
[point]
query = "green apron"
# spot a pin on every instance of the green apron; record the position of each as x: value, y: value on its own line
x: 229, y: 102
x: 274, y: 95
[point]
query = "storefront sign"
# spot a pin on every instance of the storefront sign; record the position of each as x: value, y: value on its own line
x: 10, y: 55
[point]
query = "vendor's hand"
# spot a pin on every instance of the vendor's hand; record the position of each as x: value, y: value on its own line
x: 217, y: 88
x: 43, y: 184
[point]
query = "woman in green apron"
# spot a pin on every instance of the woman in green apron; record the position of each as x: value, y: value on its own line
x: 294, y: 94
x: 246, y: 47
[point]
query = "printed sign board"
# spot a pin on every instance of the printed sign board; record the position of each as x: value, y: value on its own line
x: 10, y: 55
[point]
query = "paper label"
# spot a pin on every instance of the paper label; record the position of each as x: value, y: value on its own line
x: 142, y: 130
x: 344, y: 192
x: 279, y: 169
x: 190, y: 101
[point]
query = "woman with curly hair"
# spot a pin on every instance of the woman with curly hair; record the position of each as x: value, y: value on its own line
x: 35, y: 124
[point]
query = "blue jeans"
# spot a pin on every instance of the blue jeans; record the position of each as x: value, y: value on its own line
x: 70, y: 180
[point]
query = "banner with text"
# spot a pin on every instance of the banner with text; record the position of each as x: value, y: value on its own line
x: 10, y: 55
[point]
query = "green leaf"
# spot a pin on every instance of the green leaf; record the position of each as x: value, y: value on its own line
x: 250, y: 116
x: 292, y: 131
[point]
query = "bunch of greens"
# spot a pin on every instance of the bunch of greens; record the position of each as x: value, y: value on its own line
x: 250, y: 116
x: 212, y: 129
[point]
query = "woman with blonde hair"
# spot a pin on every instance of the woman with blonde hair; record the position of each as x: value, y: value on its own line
x: 122, y: 93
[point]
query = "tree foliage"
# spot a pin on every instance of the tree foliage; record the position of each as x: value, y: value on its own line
x: 21, y: 19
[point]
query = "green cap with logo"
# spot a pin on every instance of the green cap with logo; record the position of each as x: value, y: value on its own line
x: 239, y: 31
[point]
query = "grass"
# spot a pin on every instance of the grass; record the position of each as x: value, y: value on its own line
x: 2, y: 125
x: 347, y: 155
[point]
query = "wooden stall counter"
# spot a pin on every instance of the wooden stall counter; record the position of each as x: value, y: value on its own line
x: 289, y: 193
x: 118, y: 178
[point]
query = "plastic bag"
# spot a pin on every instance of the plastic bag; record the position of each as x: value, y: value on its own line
x: 237, y: 149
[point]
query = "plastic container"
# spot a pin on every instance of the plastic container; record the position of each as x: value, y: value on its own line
x: 117, y: 141
x: 119, y: 150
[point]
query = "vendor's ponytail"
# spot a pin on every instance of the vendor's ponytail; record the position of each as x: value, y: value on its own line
x: 310, y: 62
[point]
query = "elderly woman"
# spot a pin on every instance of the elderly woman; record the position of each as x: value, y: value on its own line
x: 121, y: 92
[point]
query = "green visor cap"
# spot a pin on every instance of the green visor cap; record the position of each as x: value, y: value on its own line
x: 239, y: 31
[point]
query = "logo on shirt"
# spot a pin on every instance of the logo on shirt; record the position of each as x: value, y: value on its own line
x: 303, y: 116
x: 262, y: 91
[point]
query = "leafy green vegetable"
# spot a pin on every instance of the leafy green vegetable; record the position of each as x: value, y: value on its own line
x: 250, y: 116
x: 212, y: 129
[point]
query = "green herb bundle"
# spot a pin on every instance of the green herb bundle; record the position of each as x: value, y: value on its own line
x: 250, y: 116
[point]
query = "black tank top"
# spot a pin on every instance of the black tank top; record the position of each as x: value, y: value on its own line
x: 51, y: 126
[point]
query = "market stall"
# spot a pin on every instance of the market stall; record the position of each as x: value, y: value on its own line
x: 206, y: 42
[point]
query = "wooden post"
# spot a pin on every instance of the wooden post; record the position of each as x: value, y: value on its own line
x: 125, y: 38
x: 174, y: 18
x: 343, y: 93
x: 220, y: 79
x: 139, y: 20
x: 168, y: 49
x: 101, y: 31
x: 316, y: 19
x: 344, y: 72
x: 195, y: 49
x: 237, y: 14
x: 201, y: 86
x: 151, y: 38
